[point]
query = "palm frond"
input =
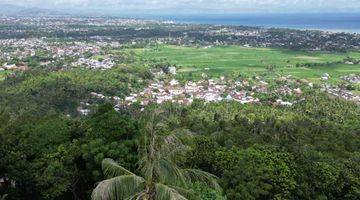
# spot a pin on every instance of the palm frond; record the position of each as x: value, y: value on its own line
x: 160, y: 126
x: 157, y: 159
x: 137, y: 196
x: 168, y: 172
x: 147, y: 168
x: 113, y: 169
x: 164, y: 192
x: 188, y: 193
x: 193, y: 175
x: 171, y: 146
x: 121, y: 187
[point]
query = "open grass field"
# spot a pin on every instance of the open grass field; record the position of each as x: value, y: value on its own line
x: 231, y: 59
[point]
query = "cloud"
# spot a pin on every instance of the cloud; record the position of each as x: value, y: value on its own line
x: 202, y: 5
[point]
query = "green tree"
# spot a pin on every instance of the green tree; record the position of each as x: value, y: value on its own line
x: 260, y: 173
x: 162, y: 178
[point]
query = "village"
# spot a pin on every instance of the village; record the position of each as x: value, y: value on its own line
x: 288, y: 92
x: 209, y: 91
x: 13, y: 51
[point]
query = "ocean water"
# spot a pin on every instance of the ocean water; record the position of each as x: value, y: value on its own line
x: 334, y: 22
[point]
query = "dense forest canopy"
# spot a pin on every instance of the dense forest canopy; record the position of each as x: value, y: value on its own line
x: 307, y: 151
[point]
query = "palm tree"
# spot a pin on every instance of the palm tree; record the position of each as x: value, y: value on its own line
x: 162, y: 178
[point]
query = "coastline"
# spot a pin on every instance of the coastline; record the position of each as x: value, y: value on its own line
x: 331, y: 22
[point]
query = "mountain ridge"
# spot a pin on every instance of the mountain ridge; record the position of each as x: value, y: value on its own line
x: 14, y: 10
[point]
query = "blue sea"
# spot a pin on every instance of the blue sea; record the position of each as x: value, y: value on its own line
x: 333, y: 22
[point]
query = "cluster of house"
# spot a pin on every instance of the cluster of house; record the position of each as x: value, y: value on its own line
x: 22, y: 48
x: 217, y: 90
x: 172, y: 91
x: 106, y: 63
x: 352, y: 78
x: 103, y: 97
x: 236, y: 32
x: 341, y: 93
x: 207, y: 90
x: 60, y: 21
x: 73, y: 49
x: 310, y: 40
x: 19, y: 48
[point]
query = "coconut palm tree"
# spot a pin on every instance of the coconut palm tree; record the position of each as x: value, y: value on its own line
x: 161, y: 178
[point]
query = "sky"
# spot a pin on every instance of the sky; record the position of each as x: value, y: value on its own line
x: 198, y: 6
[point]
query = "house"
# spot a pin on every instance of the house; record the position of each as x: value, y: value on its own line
x: 325, y: 77
x: 172, y: 70
x: 116, y: 98
x: 174, y: 82
x: 352, y: 78
x: 83, y: 111
x: 283, y: 103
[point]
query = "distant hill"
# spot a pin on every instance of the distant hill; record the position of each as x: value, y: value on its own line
x: 7, y: 9
x: 40, y: 11
x: 13, y: 10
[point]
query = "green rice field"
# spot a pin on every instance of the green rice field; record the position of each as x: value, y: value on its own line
x: 231, y: 59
